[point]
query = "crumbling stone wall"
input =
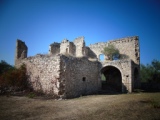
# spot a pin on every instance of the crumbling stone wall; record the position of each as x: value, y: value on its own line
x: 54, y: 48
x: 43, y: 73
x: 64, y: 76
x: 96, y: 49
x: 124, y: 66
x: 21, y: 50
x: 128, y: 48
x: 76, y: 48
x: 67, y: 48
x: 81, y: 76
x: 127, y: 69
x: 80, y: 46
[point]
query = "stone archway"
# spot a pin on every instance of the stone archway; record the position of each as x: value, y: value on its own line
x: 113, y: 79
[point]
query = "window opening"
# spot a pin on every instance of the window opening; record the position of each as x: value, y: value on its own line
x: 66, y: 50
x: 101, y: 57
x: 84, y: 79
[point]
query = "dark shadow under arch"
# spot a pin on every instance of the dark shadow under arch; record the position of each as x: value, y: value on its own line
x: 113, y: 82
x: 136, y: 79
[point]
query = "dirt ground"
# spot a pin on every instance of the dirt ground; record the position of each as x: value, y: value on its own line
x: 138, y: 106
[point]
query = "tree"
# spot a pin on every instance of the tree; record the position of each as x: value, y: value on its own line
x: 156, y: 65
x: 4, y: 66
x: 150, y: 72
x: 146, y: 72
x: 12, y: 78
x: 111, y: 52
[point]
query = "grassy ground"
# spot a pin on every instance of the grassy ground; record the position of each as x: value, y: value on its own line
x: 139, y: 106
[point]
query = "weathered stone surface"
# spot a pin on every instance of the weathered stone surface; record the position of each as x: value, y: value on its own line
x: 21, y: 50
x: 127, y: 69
x: 54, y: 48
x: 129, y: 47
x: 43, y: 72
x: 81, y: 76
x: 71, y: 69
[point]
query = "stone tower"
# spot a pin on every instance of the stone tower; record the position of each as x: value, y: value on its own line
x: 80, y: 46
x: 67, y: 47
x: 21, y: 50
x: 54, y: 48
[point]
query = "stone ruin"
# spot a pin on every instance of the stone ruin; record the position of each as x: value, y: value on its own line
x: 71, y: 69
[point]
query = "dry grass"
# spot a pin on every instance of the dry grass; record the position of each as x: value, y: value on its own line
x: 96, y: 107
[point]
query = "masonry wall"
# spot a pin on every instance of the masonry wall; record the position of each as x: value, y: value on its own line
x: 80, y: 46
x: 21, y: 50
x: 81, y: 76
x: 54, y: 48
x: 128, y: 48
x: 135, y: 76
x: 67, y: 47
x: 69, y: 77
x: 62, y: 76
x: 125, y: 67
x: 96, y: 49
x: 43, y: 73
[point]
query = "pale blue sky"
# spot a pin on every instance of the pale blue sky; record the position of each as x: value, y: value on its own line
x: 42, y: 22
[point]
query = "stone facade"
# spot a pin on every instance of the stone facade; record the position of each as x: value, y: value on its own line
x: 127, y: 70
x: 71, y: 69
x: 80, y: 76
x: 128, y: 48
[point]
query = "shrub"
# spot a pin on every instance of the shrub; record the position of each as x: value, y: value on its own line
x: 111, y: 52
x: 150, y: 72
x: 13, y: 79
x: 4, y: 66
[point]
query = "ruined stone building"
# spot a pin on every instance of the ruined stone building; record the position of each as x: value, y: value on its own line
x: 71, y: 69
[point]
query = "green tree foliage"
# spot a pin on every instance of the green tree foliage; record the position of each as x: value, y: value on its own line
x: 4, y: 66
x: 11, y: 77
x: 111, y: 52
x: 150, y: 72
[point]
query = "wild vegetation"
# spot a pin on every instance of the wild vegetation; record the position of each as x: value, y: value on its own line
x: 139, y: 106
x: 121, y: 106
x: 150, y: 72
x: 11, y: 78
x: 150, y: 76
x: 111, y: 52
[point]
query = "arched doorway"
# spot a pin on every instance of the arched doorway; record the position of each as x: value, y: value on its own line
x: 136, y: 78
x: 113, y: 79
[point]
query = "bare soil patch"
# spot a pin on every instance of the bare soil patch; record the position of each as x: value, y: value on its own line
x: 95, y: 107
